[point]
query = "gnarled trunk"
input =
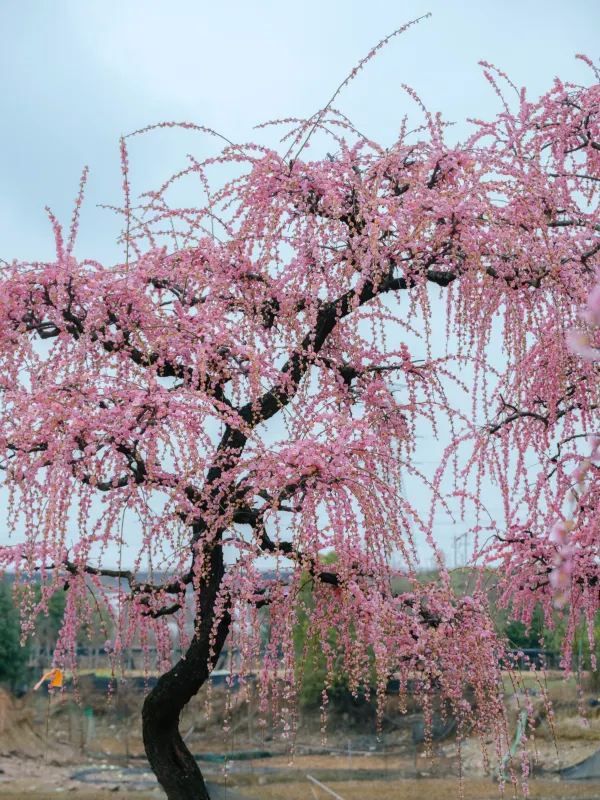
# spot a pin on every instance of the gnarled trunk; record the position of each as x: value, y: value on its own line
x: 171, y: 761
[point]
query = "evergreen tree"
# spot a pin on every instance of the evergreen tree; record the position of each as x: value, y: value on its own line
x: 13, y: 657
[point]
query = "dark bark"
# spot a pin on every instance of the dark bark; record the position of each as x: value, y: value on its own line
x: 171, y: 761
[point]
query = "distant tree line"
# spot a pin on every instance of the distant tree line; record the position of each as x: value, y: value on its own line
x: 21, y: 659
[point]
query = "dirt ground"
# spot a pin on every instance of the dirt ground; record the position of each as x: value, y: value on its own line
x: 45, y: 795
x: 32, y: 778
x: 92, y: 750
x: 426, y: 789
x: 423, y: 790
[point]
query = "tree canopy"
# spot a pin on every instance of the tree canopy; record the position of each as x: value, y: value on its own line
x: 229, y: 393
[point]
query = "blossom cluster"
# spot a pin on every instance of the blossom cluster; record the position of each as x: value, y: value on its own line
x: 229, y: 394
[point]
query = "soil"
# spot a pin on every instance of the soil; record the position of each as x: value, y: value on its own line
x: 422, y: 790
x: 280, y: 780
x: 92, y: 750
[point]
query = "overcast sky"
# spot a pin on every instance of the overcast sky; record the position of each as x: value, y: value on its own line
x: 76, y: 75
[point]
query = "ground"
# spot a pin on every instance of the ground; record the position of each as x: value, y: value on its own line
x: 92, y: 750
x: 431, y: 789
x: 279, y: 781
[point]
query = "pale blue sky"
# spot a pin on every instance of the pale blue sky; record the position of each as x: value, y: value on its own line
x: 76, y: 74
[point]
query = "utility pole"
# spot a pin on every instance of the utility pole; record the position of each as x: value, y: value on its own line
x: 464, y: 537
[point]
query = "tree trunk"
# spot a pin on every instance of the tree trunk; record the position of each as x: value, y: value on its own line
x: 171, y: 761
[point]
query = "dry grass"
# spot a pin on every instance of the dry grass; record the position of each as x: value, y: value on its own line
x: 571, y: 729
x: 76, y: 795
x: 423, y: 789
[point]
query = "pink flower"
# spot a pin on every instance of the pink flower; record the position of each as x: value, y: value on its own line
x: 592, y: 312
x: 559, y: 532
x: 579, y: 344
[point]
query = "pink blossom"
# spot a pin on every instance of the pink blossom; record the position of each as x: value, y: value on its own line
x: 239, y: 390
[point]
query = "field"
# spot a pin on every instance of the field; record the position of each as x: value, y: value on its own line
x: 92, y: 750
x: 406, y: 789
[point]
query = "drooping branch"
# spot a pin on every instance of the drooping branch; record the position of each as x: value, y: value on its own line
x: 292, y: 372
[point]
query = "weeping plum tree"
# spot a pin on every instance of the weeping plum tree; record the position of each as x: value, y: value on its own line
x: 241, y: 391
